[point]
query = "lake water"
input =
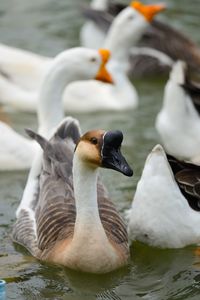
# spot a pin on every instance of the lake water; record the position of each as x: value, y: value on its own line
x: 47, y: 27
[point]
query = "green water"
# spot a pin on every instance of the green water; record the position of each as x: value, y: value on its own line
x: 47, y: 27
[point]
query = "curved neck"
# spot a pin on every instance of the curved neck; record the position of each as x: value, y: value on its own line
x: 50, y: 110
x: 85, y: 192
x: 120, y: 40
x: 123, y: 88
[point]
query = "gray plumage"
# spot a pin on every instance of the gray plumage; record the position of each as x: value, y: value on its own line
x: 55, y: 211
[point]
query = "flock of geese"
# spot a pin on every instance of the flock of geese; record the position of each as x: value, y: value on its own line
x: 65, y: 215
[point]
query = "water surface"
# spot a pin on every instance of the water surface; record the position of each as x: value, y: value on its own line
x: 47, y: 27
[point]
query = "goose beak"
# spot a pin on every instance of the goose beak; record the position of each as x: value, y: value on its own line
x: 112, y: 157
x: 148, y: 11
x: 103, y: 74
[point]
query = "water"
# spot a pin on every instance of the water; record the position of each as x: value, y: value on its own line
x: 47, y: 27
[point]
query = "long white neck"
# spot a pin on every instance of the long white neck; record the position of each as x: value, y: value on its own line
x: 85, y: 192
x: 120, y: 39
x: 50, y: 110
x: 123, y: 88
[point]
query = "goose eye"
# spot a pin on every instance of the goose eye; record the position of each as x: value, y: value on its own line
x: 93, y: 59
x: 94, y: 140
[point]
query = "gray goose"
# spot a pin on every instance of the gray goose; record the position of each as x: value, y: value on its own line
x: 72, y: 221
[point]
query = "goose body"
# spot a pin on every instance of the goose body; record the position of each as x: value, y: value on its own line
x: 23, y: 68
x: 178, y: 122
x: 155, y: 37
x: 165, y: 211
x: 72, y: 222
x: 17, y: 152
x: 124, y: 32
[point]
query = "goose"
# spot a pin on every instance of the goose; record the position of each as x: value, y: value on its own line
x: 165, y: 211
x: 91, y: 95
x: 16, y: 151
x: 178, y: 122
x: 130, y: 24
x: 23, y: 68
x: 73, y: 222
x: 155, y: 37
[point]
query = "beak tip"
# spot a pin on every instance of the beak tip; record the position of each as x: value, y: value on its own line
x: 128, y: 172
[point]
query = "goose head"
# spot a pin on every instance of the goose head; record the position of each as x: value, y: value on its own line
x: 80, y: 63
x: 101, y: 148
x: 128, y: 27
x: 68, y: 66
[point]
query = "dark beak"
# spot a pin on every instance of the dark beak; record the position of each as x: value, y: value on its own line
x: 111, y: 154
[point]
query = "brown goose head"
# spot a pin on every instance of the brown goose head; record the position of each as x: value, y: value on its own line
x: 102, y: 149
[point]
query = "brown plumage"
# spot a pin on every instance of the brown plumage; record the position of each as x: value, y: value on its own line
x: 187, y: 176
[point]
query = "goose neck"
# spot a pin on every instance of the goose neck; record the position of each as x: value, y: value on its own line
x: 85, y: 192
x: 50, y: 110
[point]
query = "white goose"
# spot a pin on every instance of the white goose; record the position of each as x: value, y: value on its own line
x: 72, y: 222
x: 16, y: 151
x: 178, y: 122
x: 166, y: 210
x: 124, y: 32
x: 154, y: 54
x: 22, y: 67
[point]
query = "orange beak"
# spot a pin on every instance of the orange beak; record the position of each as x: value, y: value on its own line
x: 148, y: 11
x: 103, y: 74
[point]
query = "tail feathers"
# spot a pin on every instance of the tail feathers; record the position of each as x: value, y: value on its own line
x: 45, y: 145
x: 178, y: 73
x: 69, y: 128
x: 35, y: 136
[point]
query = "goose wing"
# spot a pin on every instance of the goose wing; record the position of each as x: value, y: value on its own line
x: 193, y: 90
x: 187, y: 176
x: 47, y: 195
x: 101, y: 18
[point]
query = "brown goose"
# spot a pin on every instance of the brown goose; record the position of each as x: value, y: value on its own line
x: 156, y: 36
x: 72, y: 221
x: 166, y: 207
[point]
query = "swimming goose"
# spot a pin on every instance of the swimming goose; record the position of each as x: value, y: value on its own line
x: 166, y: 210
x: 16, y: 151
x: 178, y: 122
x: 123, y: 89
x: 73, y: 222
x: 92, y: 96
x: 155, y: 37
x: 124, y: 32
